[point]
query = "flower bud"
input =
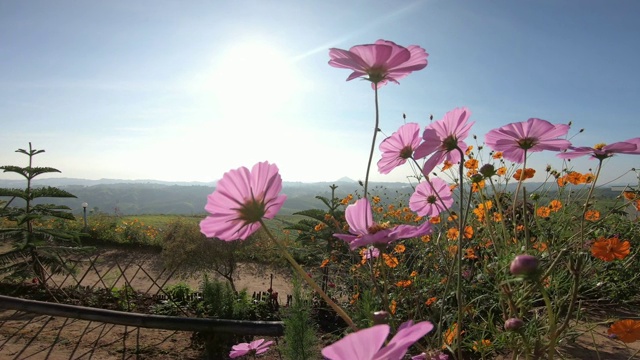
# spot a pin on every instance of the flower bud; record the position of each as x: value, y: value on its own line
x: 380, y: 317
x: 477, y: 178
x: 524, y: 265
x: 488, y: 170
x: 513, y: 324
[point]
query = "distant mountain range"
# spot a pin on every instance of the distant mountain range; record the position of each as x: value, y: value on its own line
x: 129, y: 197
x: 132, y: 197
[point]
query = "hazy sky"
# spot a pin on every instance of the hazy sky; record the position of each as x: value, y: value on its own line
x: 186, y: 90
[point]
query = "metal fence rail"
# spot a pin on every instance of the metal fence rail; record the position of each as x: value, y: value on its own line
x: 239, y: 327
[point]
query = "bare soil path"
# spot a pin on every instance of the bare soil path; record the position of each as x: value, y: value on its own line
x: 29, y: 336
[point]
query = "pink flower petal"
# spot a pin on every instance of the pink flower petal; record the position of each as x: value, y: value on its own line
x: 361, y: 345
x: 442, y: 137
x: 359, y: 217
x: 381, y: 62
x: 406, y: 336
x: 407, y: 136
x: 515, y: 140
x: 419, y: 200
x: 239, y: 192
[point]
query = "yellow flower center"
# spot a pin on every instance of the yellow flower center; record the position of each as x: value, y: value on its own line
x: 599, y: 146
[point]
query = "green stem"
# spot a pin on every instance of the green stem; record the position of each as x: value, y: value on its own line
x: 373, y: 145
x: 552, y: 319
x: 586, y: 203
x: 459, y: 256
x: 515, y: 195
x: 309, y: 280
x: 497, y: 196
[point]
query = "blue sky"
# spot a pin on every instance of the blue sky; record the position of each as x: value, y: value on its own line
x: 185, y: 91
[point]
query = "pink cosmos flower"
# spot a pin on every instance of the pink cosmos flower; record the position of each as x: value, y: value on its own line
x: 442, y: 137
x: 255, y: 347
x: 241, y: 199
x: 603, y: 151
x: 364, y: 231
x: 372, y: 252
x: 398, y: 147
x: 366, y: 344
x: 382, y: 62
x: 424, y: 200
x: 533, y: 135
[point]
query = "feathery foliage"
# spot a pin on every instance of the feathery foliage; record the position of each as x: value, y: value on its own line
x: 38, y: 249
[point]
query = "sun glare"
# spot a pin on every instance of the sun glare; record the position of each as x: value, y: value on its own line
x: 252, y: 78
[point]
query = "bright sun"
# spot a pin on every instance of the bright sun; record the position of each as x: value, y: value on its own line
x: 252, y: 78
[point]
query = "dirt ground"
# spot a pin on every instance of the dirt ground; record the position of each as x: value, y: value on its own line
x: 30, y: 336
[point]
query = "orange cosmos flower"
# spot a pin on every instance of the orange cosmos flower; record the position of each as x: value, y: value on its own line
x: 543, y: 211
x: 626, y: 330
x: 450, y: 335
x: 555, y: 205
x: 562, y: 181
x: 468, y: 232
x: 403, y: 283
x: 528, y: 174
x: 447, y: 165
x: 574, y: 177
x: 435, y: 220
x: 540, y: 246
x: 392, y: 307
x: 414, y: 273
x: 629, y: 195
x: 399, y: 248
x: 497, y: 155
x: 354, y: 298
x: 587, y: 178
x: 470, y: 254
x: 469, y: 149
x: 320, y: 226
x: 390, y: 260
x: 425, y: 238
x: 481, y: 345
x: 497, y: 217
x: 592, y: 215
x: 453, y: 187
x: 501, y: 171
x: 375, y: 199
x: 479, y: 213
x: 430, y: 301
x: 452, y: 234
x: 471, y: 164
x: 475, y: 187
x: 325, y: 262
x: 486, y: 243
x: 610, y: 249
x: 638, y: 205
